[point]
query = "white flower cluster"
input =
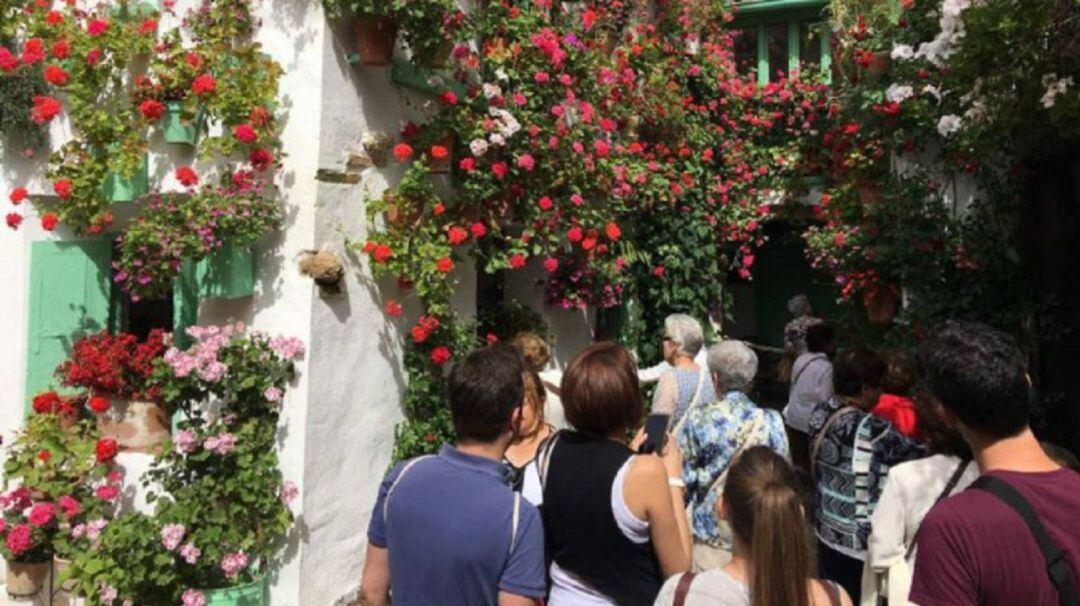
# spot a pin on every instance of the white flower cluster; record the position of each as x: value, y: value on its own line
x: 1054, y: 88
x: 943, y: 45
x: 898, y: 93
x: 506, y: 126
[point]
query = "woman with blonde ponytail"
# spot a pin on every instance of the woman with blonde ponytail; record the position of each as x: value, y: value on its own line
x: 771, y: 562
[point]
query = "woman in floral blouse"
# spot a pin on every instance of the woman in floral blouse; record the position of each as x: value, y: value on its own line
x: 712, y: 435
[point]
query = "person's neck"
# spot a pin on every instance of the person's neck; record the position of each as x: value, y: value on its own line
x: 685, y: 362
x: 1021, y: 452
x: 488, y: 450
x: 739, y: 565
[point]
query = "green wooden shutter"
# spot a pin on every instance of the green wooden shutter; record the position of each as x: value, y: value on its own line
x: 69, y: 298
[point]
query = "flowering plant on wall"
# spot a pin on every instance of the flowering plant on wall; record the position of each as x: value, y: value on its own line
x: 120, y: 81
x: 221, y: 504
x: 111, y: 365
x: 621, y: 154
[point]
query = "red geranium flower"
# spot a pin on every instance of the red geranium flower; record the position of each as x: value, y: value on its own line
x: 14, y: 220
x: 49, y: 221
x: 383, y: 253
x: 545, y: 203
x: 574, y: 234
x: 449, y: 98
x: 148, y: 26
x: 456, y: 235
x: 245, y: 133
x: 261, y: 159
x: 551, y: 265
x: 106, y: 450
x: 187, y: 176
x: 55, y: 75
x: 54, y: 18
x: 33, y: 51
x: 478, y: 230
x: 467, y: 164
x: 499, y: 169
x: 613, y: 232
x: 62, y: 187
x: 97, y: 27
x: 394, y: 309
x: 44, y: 455
x: 17, y: 195
x: 440, y: 355
x: 61, y: 49
x: 445, y: 265
x: 402, y: 151
x: 8, y: 62
x: 517, y: 261
x: 204, y: 85
x: 98, y: 404
x: 93, y: 56
x: 45, y: 109
x: 152, y: 109
x: 439, y: 152
x: 46, y: 402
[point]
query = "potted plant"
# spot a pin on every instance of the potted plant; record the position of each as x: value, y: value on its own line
x: 375, y: 30
x: 116, y: 371
x: 429, y: 28
x: 26, y: 530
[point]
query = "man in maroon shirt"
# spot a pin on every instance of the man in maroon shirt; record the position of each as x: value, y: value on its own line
x: 973, y: 548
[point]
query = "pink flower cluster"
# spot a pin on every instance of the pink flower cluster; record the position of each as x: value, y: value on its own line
x: 221, y: 444
x: 190, y: 553
x: 91, y: 530
x: 171, y: 535
x: 186, y: 442
x: 202, y: 358
x: 193, y: 597
x: 289, y: 348
x: 232, y: 564
x: 289, y: 492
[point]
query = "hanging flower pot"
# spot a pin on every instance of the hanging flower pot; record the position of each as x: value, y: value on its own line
x: 880, y: 305
x: 252, y: 594
x: 175, y: 129
x: 136, y: 425
x: 440, y: 56
x: 119, y: 187
x: 25, y: 579
x: 375, y: 37
x: 869, y: 193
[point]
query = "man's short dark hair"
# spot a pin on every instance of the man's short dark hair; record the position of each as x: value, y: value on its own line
x: 856, y: 368
x: 819, y: 337
x: 484, y: 389
x: 979, y: 374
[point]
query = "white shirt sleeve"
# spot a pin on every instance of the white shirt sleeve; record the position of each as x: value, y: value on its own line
x: 653, y: 373
x: 666, y: 396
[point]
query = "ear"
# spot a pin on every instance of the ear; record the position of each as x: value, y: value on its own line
x: 516, y: 417
x: 720, y: 509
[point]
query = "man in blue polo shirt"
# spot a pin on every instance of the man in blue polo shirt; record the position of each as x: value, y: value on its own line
x: 446, y: 528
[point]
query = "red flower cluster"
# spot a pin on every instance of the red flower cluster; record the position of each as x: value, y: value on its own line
x: 50, y: 402
x: 45, y: 109
x: 106, y: 450
x: 49, y: 221
x: 424, y: 328
x: 152, y: 109
x: 187, y: 176
x: 204, y: 85
x: 245, y: 133
x: 117, y: 365
x: 55, y: 75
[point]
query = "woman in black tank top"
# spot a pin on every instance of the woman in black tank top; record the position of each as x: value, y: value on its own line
x: 578, y: 469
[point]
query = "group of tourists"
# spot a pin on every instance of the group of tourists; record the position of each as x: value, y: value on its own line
x: 560, y: 491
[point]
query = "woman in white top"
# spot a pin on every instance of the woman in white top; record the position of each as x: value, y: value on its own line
x: 911, y: 489
x: 687, y: 383
x: 536, y: 353
x: 771, y: 561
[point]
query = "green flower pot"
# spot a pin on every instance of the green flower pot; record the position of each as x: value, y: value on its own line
x: 119, y: 187
x: 177, y: 130
x: 253, y: 594
x: 229, y: 273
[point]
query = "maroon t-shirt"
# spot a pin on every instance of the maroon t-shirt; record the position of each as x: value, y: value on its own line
x: 974, y: 549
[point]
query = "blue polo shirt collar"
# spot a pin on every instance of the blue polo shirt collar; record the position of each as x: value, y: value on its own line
x: 484, y: 465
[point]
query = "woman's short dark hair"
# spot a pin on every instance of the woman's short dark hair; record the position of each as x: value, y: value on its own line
x: 856, y: 368
x: 819, y: 337
x: 900, y: 373
x: 600, y: 391
x: 942, y: 437
x: 484, y: 389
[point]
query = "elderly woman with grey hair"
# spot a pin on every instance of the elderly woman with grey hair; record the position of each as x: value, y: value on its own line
x: 686, y: 383
x: 710, y: 438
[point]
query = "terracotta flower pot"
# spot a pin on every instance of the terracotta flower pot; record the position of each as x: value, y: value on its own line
x: 869, y: 193
x: 880, y: 305
x: 60, y: 566
x: 137, y: 426
x: 375, y: 39
x: 26, y: 579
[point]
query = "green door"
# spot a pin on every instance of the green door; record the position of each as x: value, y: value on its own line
x: 69, y: 298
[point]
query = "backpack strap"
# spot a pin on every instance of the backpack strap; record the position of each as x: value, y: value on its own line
x: 833, y: 591
x: 393, y: 485
x: 683, y: 588
x: 1057, y: 565
x: 953, y: 481
x: 543, y: 457
x: 820, y: 437
x: 515, y: 522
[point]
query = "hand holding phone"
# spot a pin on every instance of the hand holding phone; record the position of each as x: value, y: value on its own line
x: 656, y: 427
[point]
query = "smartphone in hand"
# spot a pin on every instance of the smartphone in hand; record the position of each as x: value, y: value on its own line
x: 656, y: 428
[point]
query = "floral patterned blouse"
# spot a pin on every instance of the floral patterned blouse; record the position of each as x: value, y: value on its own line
x: 850, y: 467
x: 709, y: 439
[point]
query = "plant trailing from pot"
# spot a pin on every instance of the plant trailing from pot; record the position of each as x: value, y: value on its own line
x: 430, y: 29
x: 171, y: 230
x: 20, y: 84
x: 115, y: 370
x: 26, y: 530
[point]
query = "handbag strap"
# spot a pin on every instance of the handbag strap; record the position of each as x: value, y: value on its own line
x: 683, y: 588
x: 1057, y: 565
x: 824, y: 430
x: 803, y: 369
x: 744, y: 443
x: 686, y: 412
x: 954, y: 479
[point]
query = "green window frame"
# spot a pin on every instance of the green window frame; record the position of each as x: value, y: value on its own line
x: 759, y: 16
